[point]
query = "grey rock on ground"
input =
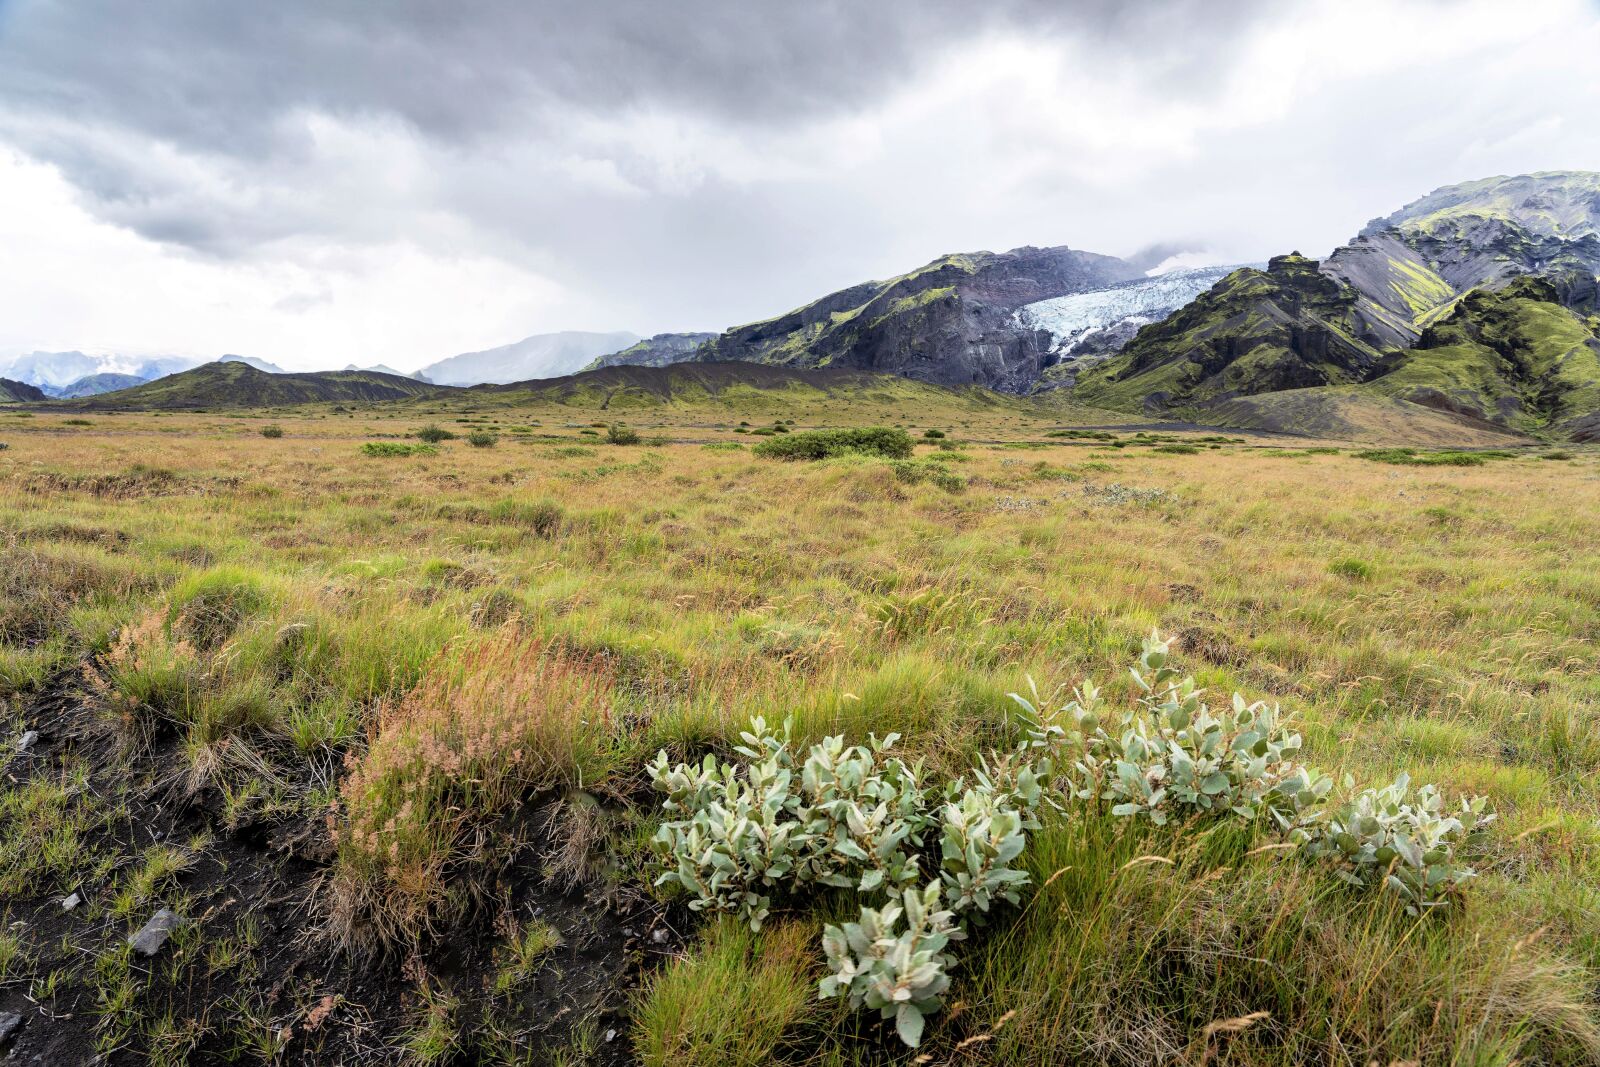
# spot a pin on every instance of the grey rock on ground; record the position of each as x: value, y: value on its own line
x: 148, y: 941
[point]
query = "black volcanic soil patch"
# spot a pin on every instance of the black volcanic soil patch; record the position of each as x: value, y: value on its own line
x: 289, y: 997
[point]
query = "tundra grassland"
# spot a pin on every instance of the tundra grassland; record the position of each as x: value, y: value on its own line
x: 420, y: 664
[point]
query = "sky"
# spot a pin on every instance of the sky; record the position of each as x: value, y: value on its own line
x: 324, y: 182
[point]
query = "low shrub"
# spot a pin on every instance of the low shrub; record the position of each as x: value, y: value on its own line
x: 432, y: 434
x: 1172, y: 756
x: 1358, y: 569
x: 396, y: 448
x: 932, y: 435
x: 825, y: 444
x: 482, y: 439
x: 618, y: 434
x: 912, y: 472
x: 1176, y: 450
x: 1406, y: 844
x: 1410, y: 457
x: 272, y: 432
x: 852, y: 817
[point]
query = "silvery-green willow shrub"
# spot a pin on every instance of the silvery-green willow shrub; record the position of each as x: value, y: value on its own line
x: 1171, y: 754
x: 849, y: 816
x: 1404, y: 842
x: 738, y: 835
x: 853, y: 817
x: 901, y: 973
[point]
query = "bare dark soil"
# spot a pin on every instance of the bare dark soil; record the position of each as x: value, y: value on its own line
x: 290, y: 998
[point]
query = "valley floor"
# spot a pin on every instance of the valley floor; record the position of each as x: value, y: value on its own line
x: 375, y: 728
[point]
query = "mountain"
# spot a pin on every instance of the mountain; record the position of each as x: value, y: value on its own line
x: 951, y: 322
x: 657, y: 351
x: 13, y: 392
x: 95, y: 384
x: 1406, y: 311
x: 252, y: 361
x: 228, y: 384
x: 544, y: 355
x: 58, y: 370
x: 1288, y: 327
x: 1090, y: 327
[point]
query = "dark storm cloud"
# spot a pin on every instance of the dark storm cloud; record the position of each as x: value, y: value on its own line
x: 218, y: 74
x: 87, y: 84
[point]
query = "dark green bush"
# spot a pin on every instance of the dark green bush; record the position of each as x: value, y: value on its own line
x: 274, y: 431
x: 433, y: 434
x: 482, y: 439
x: 823, y: 444
x: 932, y: 435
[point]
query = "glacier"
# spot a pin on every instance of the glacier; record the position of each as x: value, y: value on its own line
x: 1091, y: 327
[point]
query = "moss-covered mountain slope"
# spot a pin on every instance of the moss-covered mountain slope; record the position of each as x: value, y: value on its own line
x: 949, y: 322
x: 1287, y: 327
x: 1515, y: 357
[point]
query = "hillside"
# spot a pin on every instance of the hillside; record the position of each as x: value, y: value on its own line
x: 1514, y: 357
x: 236, y: 385
x: 950, y: 322
x: 543, y: 355
x: 14, y: 392
x: 738, y: 388
x: 657, y: 351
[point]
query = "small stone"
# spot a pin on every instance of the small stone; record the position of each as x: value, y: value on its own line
x: 148, y: 942
x: 68, y: 903
x: 26, y: 741
x: 659, y: 936
x: 611, y: 1035
x: 10, y: 1023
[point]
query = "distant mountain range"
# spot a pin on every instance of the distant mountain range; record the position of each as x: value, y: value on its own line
x: 1477, y: 306
x: 544, y: 355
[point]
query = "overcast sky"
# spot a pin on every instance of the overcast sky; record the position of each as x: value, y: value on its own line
x: 317, y: 182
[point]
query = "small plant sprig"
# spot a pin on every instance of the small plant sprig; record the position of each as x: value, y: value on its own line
x: 1404, y: 842
x: 900, y: 973
x: 1172, y: 755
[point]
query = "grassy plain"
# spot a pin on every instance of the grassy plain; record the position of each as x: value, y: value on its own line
x: 399, y: 653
